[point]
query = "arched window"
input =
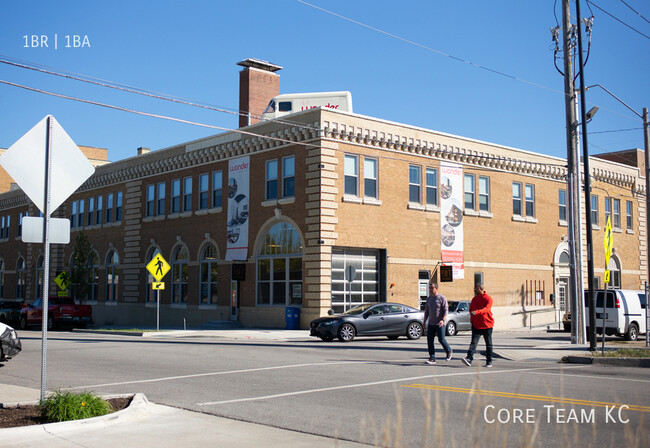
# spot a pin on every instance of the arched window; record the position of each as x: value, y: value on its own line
x: 614, y: 273
x: 93, y: 276
x: 112, y: 275
x: 208, y: 286
x: 149, y: 295
x: 20, y: 279
x: 179, y: 275
x: 564, y: 258
x: 39, y: 277
x: 279, y: 267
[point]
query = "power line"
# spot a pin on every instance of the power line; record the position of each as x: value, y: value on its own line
x: 637, y: 12
x: 614, y: 130
x: 617, y: 19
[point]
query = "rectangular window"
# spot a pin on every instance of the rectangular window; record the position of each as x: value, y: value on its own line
x: 432, y: 186
x: 484, y: 193
x: 204, y: 191
x: 629, y: 213
x: 20, y: 231
x: 176, y: 196
x: 530, y: 200
x: 91, y: 211
x: 415, y: 179
x: 109, y: 207
x: 151, y: 200
x: 516, y: 198
x: 470, y: 193
x: 594, y: 210
x: 118, y: 207
x: 98, y: 214
x: 351, y: 175
x: 161, y: 199
x: 5, y: 227
x: 80, y: 213
x: 187, y: 194
x: 370, y: 178
x: 288, y: 177
x: 562, y: 204
x: 617, y: 214
x: 608, y: 210
x: 217, y: 188
x: 271, y: 179
x: 73, y: 214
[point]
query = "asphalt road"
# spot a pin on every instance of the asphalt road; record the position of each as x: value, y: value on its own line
x: 372, y: 391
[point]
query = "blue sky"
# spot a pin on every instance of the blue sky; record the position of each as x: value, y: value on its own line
x: 190, y: 50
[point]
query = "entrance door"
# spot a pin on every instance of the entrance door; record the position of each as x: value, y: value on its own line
x: 561, y: 294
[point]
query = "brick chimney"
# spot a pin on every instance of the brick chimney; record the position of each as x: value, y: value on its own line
x: 258, y: 83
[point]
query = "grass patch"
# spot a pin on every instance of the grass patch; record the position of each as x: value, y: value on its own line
x: 62, y: 407
x: 623, y: 353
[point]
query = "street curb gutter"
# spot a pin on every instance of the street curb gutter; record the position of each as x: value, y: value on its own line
x: 621, y: 362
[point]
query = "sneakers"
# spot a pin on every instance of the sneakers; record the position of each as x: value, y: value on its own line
x: 488, y: 365
x: 468, y: 362
x: 431, y: 360
x: 449, y: 355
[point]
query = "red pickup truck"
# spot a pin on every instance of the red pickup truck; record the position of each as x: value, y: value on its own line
x: 61, y: 311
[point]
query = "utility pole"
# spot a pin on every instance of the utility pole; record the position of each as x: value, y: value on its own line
x: 573, y: 181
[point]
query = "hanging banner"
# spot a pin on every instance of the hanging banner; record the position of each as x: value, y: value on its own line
x: 238, y: 194
x: 451, y: 218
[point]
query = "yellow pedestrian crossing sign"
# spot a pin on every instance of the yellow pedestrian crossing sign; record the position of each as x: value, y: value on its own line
x: 158, y: 267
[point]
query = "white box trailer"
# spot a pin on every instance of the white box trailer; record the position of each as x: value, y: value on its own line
x: 289, y: 103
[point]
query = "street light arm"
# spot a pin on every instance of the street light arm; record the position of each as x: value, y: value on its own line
x: 617, y: 98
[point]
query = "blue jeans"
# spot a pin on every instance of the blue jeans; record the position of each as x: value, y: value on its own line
x: 432, y: 332
x: 476, y: 335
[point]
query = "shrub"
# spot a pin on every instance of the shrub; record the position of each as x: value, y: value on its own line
x: 61, y: 407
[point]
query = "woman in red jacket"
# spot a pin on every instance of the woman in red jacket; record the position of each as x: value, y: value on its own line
x: 482, y: 323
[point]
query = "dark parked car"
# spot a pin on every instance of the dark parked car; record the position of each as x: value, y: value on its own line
x: 10, y: 311
x: 458, y: 317
x: 10, y: 344
x: 372, y: 319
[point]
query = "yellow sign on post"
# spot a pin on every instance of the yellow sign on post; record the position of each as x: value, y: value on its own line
x: 62, y: 281
x: 607, y: 241
x: 158, y: 267
x: 158, y: 286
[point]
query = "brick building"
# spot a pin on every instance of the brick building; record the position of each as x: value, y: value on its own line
x: 253, y: 222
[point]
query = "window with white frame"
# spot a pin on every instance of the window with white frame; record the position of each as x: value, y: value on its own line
x: 6, y: 225
x: 109, y: 207
x: 160, y: 204
x: 80, y: 213
x: 562, y: 204
x: 73, y: 214
x: 432, y: 186
x: 516, y: 199
x: 470, y: 192
x: 90, y: 220
x: 21, y: 215
x: 608, y: 211
x: 279, y: 266
x: 629, y: 208
x: 484, y: 193
x: 217, y: 188
x: 271, y: 179
x: 112, y: 275
x: 370, y: 178
x: 118, y: 207
x: 594, y: 210
x: 176, y: 196
x: 151, y: 201
x: 617, y: 214
x: 530, y: 201
x: 204, y: 191
x: 288, y: 177
x: 98, y: 212
x: 351, y: 170
x: 180, y: 259
x: 415, y: 183
x: 208, y: 275
x: 187, y: 194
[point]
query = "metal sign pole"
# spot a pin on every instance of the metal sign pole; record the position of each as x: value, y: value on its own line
x: 158, y: 310
x: 46, y: 255
x: 647, y: 327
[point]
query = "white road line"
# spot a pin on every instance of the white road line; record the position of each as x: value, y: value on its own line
x: 197, y: 375
x: 609, y: 378
x: 398, y: 380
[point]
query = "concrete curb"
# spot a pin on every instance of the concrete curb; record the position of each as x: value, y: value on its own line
x: 621, y: 362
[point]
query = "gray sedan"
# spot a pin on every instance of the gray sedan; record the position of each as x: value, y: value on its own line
x: 372, y: 319
x: 458, y: 317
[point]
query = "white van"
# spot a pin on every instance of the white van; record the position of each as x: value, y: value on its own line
x: 289, y: 103
x: 624, y: 312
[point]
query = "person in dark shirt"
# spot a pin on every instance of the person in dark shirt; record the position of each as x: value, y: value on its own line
x: 435, y: 314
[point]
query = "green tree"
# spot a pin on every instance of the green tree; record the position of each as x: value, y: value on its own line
x: 81, y: 266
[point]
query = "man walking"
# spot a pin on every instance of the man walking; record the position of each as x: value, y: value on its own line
x: 435, y: 314
x: 482, y: 323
